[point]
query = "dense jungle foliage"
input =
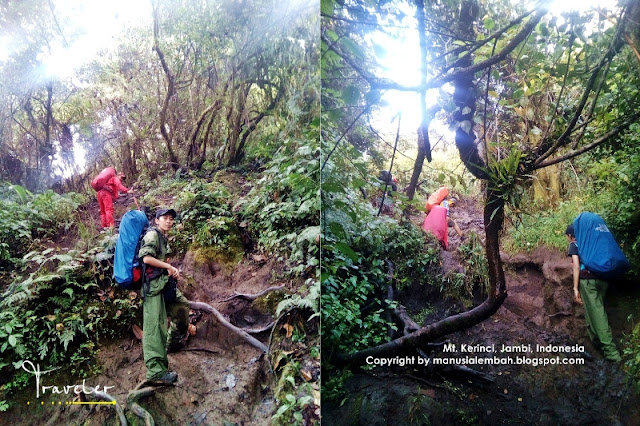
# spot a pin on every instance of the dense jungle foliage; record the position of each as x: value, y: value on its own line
x: 541, y: 107
x: 210, y: 107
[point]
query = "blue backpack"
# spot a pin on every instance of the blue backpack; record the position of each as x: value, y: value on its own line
x: 127, y: 267
x: 597, y: 248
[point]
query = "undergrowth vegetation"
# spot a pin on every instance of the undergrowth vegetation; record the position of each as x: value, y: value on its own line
x: 474, y: 280
x: 362, y: 254
x: 59, y: 305
x: 28, y: 217
x: 605, y: 182
x: 52, y: 312
x: 283, y: 209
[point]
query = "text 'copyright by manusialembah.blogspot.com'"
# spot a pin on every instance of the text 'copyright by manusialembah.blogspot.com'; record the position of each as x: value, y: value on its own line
x: 466, y: 354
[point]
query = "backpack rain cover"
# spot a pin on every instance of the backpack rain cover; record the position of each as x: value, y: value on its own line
x: 436, y: 223
x: 133, y: 224
x: 597, y: 248
x: 103, y: 177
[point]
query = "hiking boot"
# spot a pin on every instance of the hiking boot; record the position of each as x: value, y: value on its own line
x: 174, y: 347
x: 167, y: 378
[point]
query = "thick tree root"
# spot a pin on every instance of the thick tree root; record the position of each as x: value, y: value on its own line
x: 408, y: 325
x: 211, y: 310
x: 252, y: 297
x: 426, y: 334
x: 103, y: 396
x: 132, y: 403
x: 259, y: 330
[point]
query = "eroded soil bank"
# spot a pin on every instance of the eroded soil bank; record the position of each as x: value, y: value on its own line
x: 221, y: 379
x: 535, y: 387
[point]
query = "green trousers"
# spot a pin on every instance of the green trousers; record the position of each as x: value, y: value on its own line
x: 155, y: 336
x: 592, y: 292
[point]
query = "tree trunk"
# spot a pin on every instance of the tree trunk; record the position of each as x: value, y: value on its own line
x: 127, y: 160
x: 47, y: 148
x: 424, y: 147
x: 252, y: 126
x: 236, y: 129
x: 171, y: 90
x: 493, y: 221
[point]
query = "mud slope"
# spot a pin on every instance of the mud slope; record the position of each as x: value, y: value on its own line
x: 572, y: 388
x: 221, y: 379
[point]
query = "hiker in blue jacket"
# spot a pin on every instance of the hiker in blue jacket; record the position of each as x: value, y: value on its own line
x: 161, y: 298
x: 589, y: 290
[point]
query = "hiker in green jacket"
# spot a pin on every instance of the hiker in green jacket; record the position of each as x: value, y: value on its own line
x: 589, y: 290
x: 161, y: 298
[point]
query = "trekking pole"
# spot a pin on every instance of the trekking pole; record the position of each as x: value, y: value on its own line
x: 136, y: 201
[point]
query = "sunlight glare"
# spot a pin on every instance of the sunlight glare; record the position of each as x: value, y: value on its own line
x: 4, y: 50
x: 96, y: 27
x: 562, y: 6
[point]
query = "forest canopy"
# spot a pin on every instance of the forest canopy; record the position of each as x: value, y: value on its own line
x: 539, y: 102
x: 164, y: 84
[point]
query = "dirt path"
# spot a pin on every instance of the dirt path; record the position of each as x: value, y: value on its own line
x: 221, y: 379
x: 582, y: 388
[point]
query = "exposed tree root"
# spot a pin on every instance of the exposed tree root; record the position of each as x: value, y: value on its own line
x: 252, y: 297
x: 132, y: 403
x: 211, y: 310
x: 260, y: 330
x: 426, y: 334
x: 54, y: 419
x: 408, y: 325
x: 103, y: 396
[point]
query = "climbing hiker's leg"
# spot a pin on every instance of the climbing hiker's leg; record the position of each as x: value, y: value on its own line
x: 592, y: 293
x: 154, y: 336
x: 103, y: 214
x: 108, y: 209
x: 179, y: 313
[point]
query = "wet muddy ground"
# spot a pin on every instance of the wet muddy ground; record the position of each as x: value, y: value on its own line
x: 547, y: 388
x: 221, y: 378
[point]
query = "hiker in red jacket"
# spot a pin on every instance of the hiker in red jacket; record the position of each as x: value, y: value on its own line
x: 107, y: 195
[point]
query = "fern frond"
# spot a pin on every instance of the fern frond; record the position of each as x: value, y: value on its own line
x: 16, y: 298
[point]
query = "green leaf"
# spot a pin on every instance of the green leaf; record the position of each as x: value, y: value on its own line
x: 12, y: 340
x: 281, y: 410
x: 489, y: 24
x: 326, y: 7
x: 347, y: 251
x: 338, y: 230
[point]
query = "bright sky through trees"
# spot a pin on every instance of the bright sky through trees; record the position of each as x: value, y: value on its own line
x: 84, y: 29
x: 98, y: 24
x: 400, y: 61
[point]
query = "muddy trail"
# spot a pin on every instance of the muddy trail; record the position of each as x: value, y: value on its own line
x: 535, y: 381
x: 221, y: 378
